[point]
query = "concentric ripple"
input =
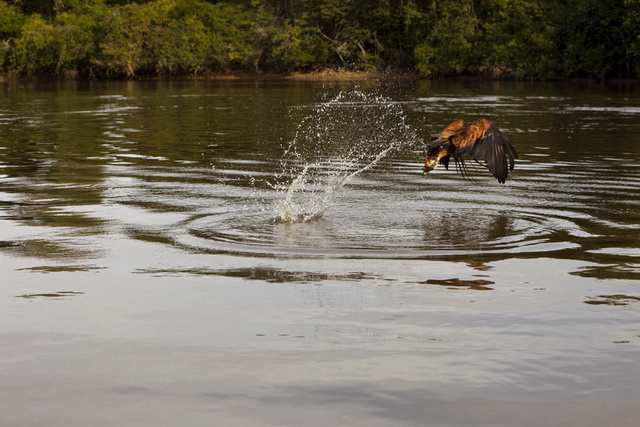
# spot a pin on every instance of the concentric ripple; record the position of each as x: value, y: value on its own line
x: 350, y: 188
x: 343, y: 181
x: 353, y: 229
x: 392, y: 212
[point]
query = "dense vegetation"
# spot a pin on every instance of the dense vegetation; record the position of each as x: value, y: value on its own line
x: 537, y: 39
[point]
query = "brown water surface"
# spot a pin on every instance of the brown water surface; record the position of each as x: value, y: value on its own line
x: 269, y: 254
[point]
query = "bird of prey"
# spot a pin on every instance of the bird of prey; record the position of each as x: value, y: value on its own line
x: 481, y: 141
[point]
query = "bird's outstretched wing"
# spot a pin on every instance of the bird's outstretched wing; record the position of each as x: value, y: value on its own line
x: 482, y: 140
x: 453, y: 127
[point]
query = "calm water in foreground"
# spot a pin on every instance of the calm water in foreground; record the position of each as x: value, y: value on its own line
x: 147, y: 281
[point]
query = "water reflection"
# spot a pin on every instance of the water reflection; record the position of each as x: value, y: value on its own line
x: 476, y: 285
x: 192, y: 165
x: 616, y: 270
x: 57, y: 295
x: 155, y: 200
x: 62, y: 268
x: 622, y: 300
x: 62, y: 251
x: 267, y: 274
x: 469, y: 228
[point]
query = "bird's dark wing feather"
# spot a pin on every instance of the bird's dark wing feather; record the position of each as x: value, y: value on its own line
x: 445, y: 162
x: 495, y: 149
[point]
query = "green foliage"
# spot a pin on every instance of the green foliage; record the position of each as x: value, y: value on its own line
x: 42, y: 7
x: 449, y: 48
x: 518, y: 41
x: 64, y: 47
x: 631, y: 28
x: 532, y: 39
x: 35, y: 49
x: 593, y: 38
x: 166, y: 37
x: 11, y: 21
x: 522, y: 39
x: 78, y: 6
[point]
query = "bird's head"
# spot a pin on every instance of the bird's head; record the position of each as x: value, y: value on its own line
x: 435, y: 151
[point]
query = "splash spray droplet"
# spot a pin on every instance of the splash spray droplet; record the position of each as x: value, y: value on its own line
x: 342, y: 138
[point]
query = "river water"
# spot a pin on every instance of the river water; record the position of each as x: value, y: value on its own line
x: 269, y: 254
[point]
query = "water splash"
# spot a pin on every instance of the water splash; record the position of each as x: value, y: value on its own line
x: 340, y: 139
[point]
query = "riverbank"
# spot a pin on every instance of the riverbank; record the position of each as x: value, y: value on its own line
x: 326, y: 74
